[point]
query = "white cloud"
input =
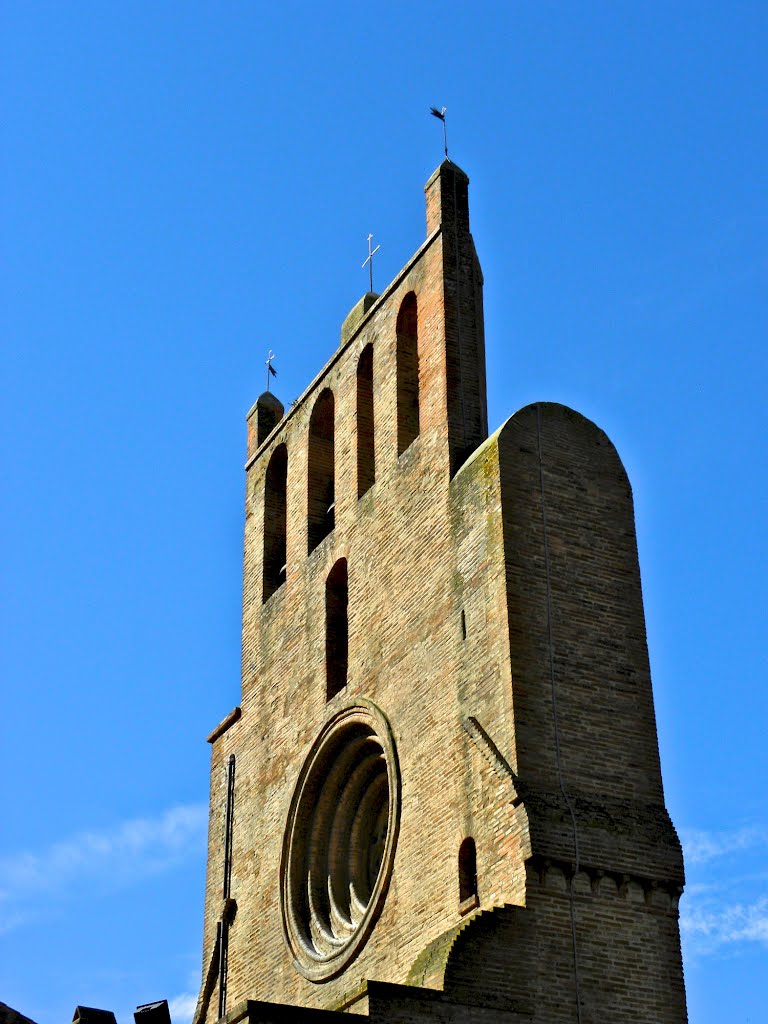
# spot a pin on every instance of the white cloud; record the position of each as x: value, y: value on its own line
x: 701, y: 847
x: 9, y: 922
x: 182, y: 1008
x: 131, y: 850
x: 707, y: 928
x: 725, y: 906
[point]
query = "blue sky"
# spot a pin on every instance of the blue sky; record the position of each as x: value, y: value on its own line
x: 187, y: 185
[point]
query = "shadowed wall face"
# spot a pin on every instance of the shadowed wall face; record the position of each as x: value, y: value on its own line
x: 606, y: 868
x: 577, y: 628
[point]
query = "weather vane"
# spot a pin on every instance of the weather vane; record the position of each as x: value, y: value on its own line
x: 271, y: 371
x: 369, y: 261
x: 440, y: 115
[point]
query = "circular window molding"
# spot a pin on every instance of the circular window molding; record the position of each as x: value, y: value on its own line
x: 339, y: 841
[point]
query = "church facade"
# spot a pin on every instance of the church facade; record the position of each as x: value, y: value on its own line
x: 440, y: 797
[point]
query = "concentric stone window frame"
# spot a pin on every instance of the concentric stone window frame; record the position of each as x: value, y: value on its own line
x: 329, y: 899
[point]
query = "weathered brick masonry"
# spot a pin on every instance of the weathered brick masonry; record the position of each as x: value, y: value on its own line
x: 440, y: 798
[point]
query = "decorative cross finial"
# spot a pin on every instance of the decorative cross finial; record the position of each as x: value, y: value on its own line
x: 271, y: 371
x: 369, y: 261
x: 440, y: 115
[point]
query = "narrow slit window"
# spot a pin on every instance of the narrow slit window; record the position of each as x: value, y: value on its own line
x: 274, y: 565
x: 336, y: 629
x: 467, y: 875
x: 407, y: 374
x: 366, y: 458
x: 321, y: 509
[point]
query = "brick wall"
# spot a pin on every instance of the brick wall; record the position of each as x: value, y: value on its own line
x: 492, y: 630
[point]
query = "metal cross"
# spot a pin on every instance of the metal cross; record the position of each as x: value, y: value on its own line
x: 440, y: 115
x: 271, y: 371
x: 369, y: 261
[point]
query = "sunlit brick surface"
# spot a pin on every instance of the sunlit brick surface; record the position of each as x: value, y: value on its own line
x: 495, y: 618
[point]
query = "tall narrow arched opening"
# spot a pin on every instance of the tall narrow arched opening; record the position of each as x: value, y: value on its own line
x: 407, y: 373
x: 321, y: 515
x: 275, y: 482
x: 336, y: 629
x: 366, y: 456
x: 467, y: 874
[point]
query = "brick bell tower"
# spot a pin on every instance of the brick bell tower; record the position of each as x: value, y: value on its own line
x: 440, y: 798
